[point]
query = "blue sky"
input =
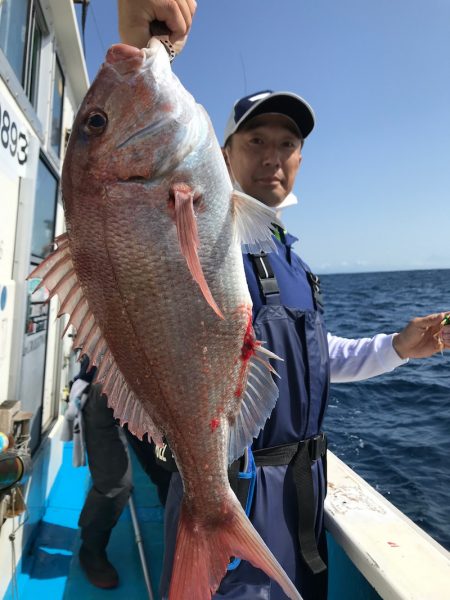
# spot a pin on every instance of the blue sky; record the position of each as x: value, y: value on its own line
x: 374, y: 185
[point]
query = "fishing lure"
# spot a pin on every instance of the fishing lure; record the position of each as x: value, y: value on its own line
x: 446, y: 320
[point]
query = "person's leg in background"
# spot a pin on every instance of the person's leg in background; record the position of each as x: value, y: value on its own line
x: 110, y: 468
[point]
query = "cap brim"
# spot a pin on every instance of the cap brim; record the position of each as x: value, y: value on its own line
x: 284, y: 103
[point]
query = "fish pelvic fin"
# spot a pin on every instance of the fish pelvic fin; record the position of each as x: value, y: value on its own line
x: 203, y: 552
x: 188, y: 239
x: 254, y: 223
x: 58, y: 275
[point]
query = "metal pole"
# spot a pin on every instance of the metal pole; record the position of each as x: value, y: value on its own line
x: 140, y: 545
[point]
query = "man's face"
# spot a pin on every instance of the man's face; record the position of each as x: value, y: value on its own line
x: 264, y: 157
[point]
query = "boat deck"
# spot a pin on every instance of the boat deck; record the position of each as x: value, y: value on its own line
x: 50, y: 569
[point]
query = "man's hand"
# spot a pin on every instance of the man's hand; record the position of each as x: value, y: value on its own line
x: 135, y: 17
x: 422, y: 337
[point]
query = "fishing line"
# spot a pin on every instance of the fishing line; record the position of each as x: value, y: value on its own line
x: 243, y: 72
x: 84, y: 11
x: 99, y: 35
x: 84, y: 7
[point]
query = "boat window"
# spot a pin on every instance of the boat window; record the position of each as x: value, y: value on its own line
x: 44, y: 211
x: 36, y: 35
x: 22, y: 29
x: 57, y: 108
x: 13, y: 33
x: 37, y: 326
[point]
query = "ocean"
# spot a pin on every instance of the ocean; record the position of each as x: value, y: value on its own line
x: 394, y: 430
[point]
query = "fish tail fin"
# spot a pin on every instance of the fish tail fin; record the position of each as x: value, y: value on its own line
x: 203, y: 552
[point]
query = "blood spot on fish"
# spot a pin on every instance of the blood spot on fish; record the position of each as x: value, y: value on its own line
x: 248, y: 349
x: 214, y: 424
x: 249, y: 345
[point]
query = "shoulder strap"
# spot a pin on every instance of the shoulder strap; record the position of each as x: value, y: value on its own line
x: 266, y: 278
x: 269, y: 285
x: 314, y: 282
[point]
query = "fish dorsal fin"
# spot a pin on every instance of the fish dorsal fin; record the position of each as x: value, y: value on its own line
x: 254, y: 223
x: 187, y: 232
x: 258, y: 401
x: 58, y: 276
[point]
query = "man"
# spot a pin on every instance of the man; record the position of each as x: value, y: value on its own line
x: 90, y: 423
x: 263, y: 150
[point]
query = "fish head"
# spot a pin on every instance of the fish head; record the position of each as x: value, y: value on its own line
x: 132, y: 125
x: 143, y: 158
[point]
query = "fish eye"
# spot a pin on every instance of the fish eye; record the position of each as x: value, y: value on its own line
x: 96, y: 122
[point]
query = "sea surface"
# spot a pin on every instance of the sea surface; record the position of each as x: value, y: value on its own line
x: 394, y: 430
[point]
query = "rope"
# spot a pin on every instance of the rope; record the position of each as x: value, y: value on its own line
x: 12, y: 538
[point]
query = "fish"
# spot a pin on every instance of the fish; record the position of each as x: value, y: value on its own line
x: 150, y: 272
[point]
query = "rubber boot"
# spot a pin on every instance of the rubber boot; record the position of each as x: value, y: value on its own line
x: 94, y: 560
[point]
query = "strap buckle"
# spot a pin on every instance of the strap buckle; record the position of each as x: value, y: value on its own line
x: 266, y: 278
x: 314, y: 282
x: 269, y: 286
x: 317, y: 446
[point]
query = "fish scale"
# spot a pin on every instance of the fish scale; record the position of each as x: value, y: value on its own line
x: 153, y: 255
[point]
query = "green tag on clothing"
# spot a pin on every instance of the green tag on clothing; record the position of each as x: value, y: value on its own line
x: 279, y: 233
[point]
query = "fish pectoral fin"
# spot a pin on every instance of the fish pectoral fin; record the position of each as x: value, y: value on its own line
x: 188, y: 239
x: 254, y: 223
x: 59, y: 277
x: 203, y: 552
x: 258, y: 400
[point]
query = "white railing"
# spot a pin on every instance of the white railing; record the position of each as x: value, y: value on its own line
x: 394, y: 555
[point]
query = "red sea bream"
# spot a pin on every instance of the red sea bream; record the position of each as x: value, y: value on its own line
x: 151, y: 273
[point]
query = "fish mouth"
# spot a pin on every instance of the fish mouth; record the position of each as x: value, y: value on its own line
x: 130, y: 61
x: 121, y: 52
x: 125, y: 60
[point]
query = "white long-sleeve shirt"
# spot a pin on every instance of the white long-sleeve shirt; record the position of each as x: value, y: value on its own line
x: 354, y: 360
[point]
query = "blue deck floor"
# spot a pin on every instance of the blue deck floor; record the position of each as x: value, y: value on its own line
x: 50, y: 569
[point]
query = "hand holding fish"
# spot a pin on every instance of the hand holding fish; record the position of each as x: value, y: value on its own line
x: 423, y: 336
x: 135, y: 17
